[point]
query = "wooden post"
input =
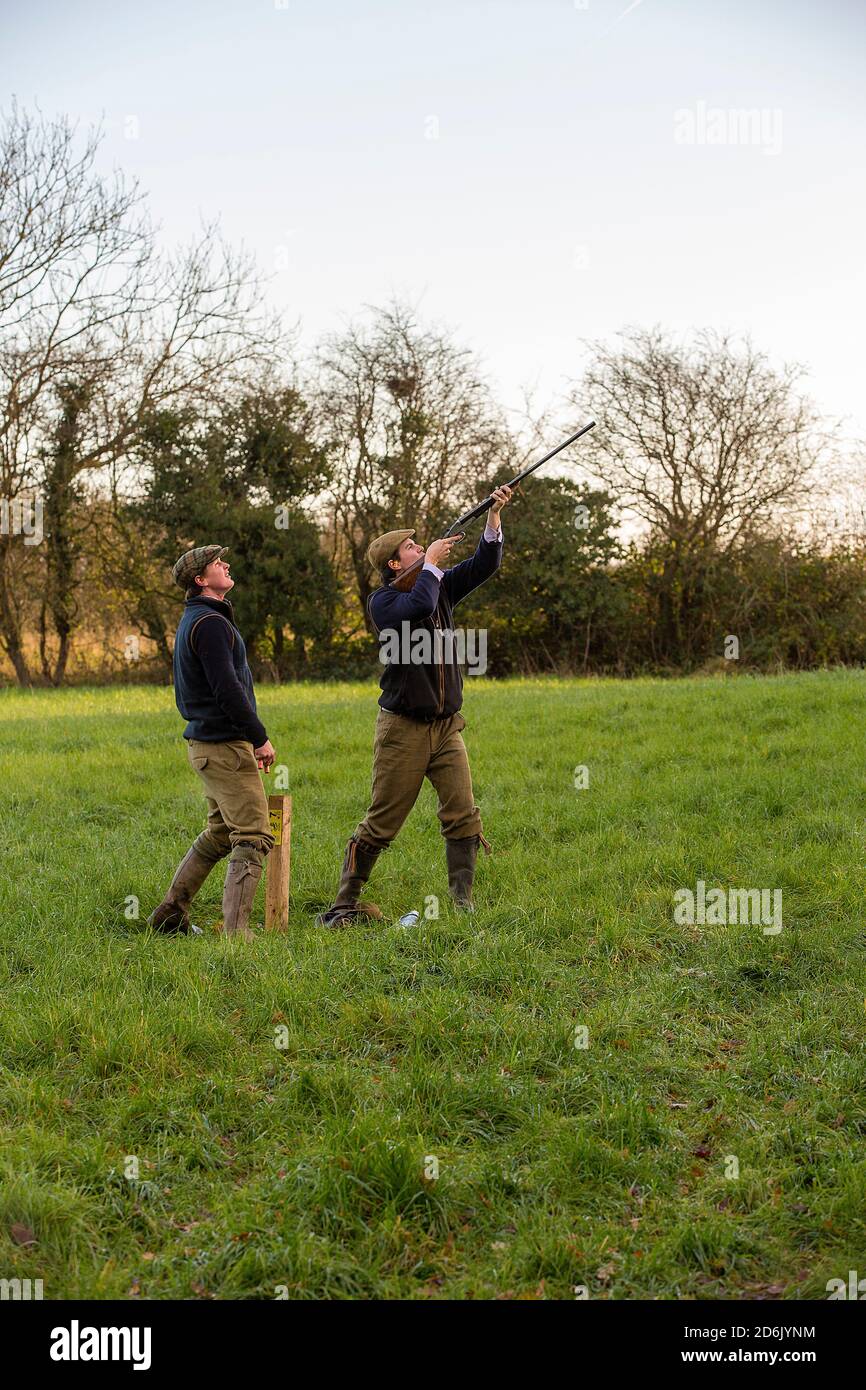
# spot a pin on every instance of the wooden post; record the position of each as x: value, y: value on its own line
x: 277, y: 874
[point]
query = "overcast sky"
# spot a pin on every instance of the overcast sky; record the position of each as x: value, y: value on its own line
x: 530, y: 172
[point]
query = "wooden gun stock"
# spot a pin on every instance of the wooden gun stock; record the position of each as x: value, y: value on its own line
x: 406, y: 578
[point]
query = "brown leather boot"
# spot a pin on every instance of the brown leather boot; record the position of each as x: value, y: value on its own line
x: 358, y: 864
x: 461, y: 856
x: 172, y: 915
x: 242, y: 880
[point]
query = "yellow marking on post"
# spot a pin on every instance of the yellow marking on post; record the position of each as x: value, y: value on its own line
x: 278, y: 861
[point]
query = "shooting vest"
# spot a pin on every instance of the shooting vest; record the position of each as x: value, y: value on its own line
x: 192, y: 691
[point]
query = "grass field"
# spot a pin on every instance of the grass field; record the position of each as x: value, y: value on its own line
x: 303, y: 1167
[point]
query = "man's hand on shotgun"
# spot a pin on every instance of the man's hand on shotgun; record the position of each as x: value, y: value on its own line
x: 439, y: 552
x: 503, y: 497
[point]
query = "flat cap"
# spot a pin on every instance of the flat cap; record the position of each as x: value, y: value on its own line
x: 192, y: 562
x: 384, y: 548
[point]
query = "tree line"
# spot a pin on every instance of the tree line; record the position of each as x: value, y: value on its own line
x: 149, y: 402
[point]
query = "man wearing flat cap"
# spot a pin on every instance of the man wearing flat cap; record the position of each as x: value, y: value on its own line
x: 227, y: 745
x: 418, y: 728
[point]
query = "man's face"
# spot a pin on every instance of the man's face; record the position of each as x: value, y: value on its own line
x: 216, y: 577
x: 407, y: 554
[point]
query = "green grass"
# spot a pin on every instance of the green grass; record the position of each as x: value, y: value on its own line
x: 558, y: 1166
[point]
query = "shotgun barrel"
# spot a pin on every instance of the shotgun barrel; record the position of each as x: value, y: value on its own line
x: 488, y: 501
x: 406, y: 579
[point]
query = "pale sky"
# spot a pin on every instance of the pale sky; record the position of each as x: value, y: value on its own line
x: 521, y: 169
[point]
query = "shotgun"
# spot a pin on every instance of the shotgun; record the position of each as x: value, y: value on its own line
x: 406, y: 579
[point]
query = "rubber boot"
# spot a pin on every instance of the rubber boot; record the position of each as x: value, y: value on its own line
x: 172, y: 915
x: 242, y: 880
x: 358, y: 864
x: 461, y: 856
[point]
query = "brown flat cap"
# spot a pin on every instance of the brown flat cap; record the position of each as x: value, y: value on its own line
x: 192, y: 562
x: 384, y: 548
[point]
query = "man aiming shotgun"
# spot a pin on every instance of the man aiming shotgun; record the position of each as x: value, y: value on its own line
x: 418, y: 728
x: 227, y: 745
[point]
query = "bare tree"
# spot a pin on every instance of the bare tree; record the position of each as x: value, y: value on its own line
x: 413, y: 428
x: 124, y: 551
x: 97, y: 331
x: 705, y: 443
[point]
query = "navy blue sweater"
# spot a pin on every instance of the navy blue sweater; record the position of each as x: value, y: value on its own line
x: 434, y: 690
x: 213, y: 684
